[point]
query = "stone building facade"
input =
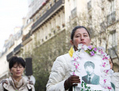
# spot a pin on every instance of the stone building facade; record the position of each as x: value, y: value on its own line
x: 57, y: 16
x: 47, y: 28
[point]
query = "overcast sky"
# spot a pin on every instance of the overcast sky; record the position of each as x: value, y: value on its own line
x: 11, y: 14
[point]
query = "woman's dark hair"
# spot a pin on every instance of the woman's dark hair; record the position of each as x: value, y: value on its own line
x: 17, y: 60
x: 78, y: 27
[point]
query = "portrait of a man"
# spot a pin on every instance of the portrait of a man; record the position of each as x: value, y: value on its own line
x: 91, y: 77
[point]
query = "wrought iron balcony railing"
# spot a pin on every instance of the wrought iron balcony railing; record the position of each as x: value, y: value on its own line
x: 47, y: 14
x: 25, y: 37
x: 17, y: 48
x: 9, y: 55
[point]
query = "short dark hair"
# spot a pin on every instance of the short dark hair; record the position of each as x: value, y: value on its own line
x: 78, y: 27
x: 17, y: 60
x: 89, y: 63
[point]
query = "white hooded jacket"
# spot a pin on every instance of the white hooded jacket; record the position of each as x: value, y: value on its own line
x: 59, y: 73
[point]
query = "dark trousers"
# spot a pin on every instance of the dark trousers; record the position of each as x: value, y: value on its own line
x: 70, y: 89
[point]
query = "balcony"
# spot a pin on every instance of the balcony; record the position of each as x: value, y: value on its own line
x: 48, y: 14
x: 17, y: 48
x: 73, y: 13
x: 26, y: 38
x: 9, y: 56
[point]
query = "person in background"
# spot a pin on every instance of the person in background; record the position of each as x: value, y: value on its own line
x: 111, y: 63
x: 16, y: 82
x: 111, y: 67
x: 60, y: 78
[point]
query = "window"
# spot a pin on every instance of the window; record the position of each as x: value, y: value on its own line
x: 73, y: 4
x: 103, y: 26
x: 45, y: 37
x: 111, y: 18
x: 42, y: 40
x: 112, y: 38
x: 50, y: 4
x: 74, y: 13
x: 110, y: 0
x: 54, y: 1
x: 112, y: 44
x: 102, y: 1
x: 89, y: 5
x: 103, y: 43
x: 54, y: 32
x: 39, y: 15
x: 113, y: 52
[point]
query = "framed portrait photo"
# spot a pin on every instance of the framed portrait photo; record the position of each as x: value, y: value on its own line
x: 93, y: 70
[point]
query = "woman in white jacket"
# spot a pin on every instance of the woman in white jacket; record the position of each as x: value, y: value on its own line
x: 60, y: 78
x: 16, y: 82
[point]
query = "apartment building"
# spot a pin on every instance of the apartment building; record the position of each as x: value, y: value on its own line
x: 49, y: 23
x: 104, y: 18
x: 10, y: 48
x: 54, y: 16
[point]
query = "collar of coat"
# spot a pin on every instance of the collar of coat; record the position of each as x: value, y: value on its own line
x: 71, y: 51
x: 11, y: 83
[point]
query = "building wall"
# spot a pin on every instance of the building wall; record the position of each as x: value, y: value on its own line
x: 93, y: 12
x: 3, y: 66
x: 90, y: 13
